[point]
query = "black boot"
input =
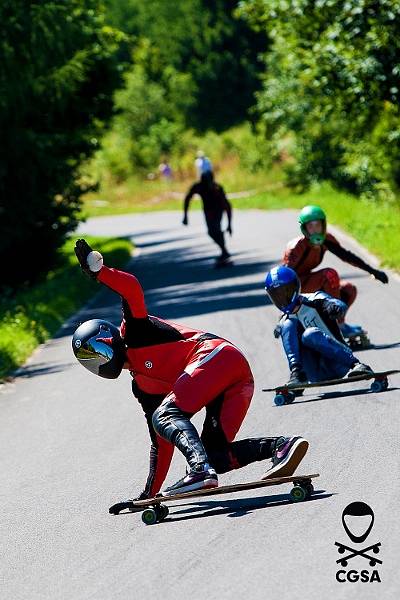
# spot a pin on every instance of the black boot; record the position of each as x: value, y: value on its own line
x: 297, y: 376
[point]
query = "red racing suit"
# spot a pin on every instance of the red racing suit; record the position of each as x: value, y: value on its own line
x: 302, y: 256
x: 190, y: 366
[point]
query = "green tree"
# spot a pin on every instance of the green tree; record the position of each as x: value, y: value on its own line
x: 204, y: 40
x: 57, y: 74
x: 332, y: 81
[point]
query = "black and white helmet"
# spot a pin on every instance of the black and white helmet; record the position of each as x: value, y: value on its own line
x: 98, y: 346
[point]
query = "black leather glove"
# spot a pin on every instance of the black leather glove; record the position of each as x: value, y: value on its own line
x: 229, y: 229
x: 334, y: 308
x: 82, y: 250
x: 380, y: 276
x: 115, y: 509
x: 277, y: 331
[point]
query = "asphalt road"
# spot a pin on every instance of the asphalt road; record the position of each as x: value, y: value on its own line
x: 72, y: 444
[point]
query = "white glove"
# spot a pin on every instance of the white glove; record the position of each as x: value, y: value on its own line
x: 94, y: 261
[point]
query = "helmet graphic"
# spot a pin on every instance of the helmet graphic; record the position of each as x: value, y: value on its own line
x: 283, y: 287
x: 98, y: 346
x: 313, y: 213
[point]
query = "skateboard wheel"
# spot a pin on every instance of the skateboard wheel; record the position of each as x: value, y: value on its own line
x: 309, y: 489
x: 377, y: 386
x: 149, y: 516
x: 163, y: 512
x: 298, y: 493
x: 280, y: 400
x: 290, y: 397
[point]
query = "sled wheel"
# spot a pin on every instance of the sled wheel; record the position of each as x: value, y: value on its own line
x: 298, y: 493
x: 163, y: 512
x: 377, y: 386
x: 385, y: 383
x: 291, y: 396
x: 149, y: 516
x: 280, y: 400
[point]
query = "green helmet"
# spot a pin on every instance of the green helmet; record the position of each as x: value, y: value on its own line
x: 313, y: 213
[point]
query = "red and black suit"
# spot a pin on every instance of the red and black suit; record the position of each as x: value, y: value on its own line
x: 302, y: 256
x: 176, y: 371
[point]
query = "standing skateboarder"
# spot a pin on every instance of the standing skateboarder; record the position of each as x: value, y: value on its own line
x: 215, y: 204
x: 176, y: 371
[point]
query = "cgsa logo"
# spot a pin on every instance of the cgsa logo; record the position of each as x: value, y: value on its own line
x: 353, y: 576
x: 358, y: 520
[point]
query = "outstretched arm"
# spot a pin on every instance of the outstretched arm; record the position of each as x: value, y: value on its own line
x: 227, y: 206
x: 186, y: 202
x: 124, y: 284
x: 334, y: 246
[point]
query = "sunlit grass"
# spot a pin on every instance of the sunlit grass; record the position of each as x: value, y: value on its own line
x: 34, y: 314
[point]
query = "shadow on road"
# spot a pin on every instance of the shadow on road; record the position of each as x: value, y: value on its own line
x: 332, y: 395
x: 235, y: 508
x: 379, y: 347
x: 40, y: 369
x: 181, y: 281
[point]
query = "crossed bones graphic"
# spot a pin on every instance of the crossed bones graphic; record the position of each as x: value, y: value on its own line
x: 372, y: 560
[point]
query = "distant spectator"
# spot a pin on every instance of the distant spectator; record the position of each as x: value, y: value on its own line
x: 165, y: 170
x: 203, y: 164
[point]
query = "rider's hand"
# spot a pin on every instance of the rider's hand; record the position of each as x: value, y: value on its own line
x: 334, y: 308
x: 380, y: 276
x: 184, y: 220
x: 229, y: 229
x: 116, y: 508
x: 90, y: 260
x: 278, y: 331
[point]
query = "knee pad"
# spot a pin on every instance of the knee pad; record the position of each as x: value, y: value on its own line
x: 309, y: 336
x: 348, y: 292
x: 332, y: 278
x: 169, y: 420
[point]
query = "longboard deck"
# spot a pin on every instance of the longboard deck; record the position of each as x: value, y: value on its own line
x: 223, y: 489
x: 328, y: 382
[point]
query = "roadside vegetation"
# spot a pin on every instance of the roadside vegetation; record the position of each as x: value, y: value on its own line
x: 35, y: 313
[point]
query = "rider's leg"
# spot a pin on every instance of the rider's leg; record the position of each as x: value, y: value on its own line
x: 213, y: 221
x: 291, y: 341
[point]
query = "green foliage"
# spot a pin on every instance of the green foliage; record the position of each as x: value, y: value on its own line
x: 204, y: 40
x: 332, y: 79
x: 57, y: 75
x: 31, y: 316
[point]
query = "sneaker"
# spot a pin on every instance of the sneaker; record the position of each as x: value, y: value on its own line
x: 202, y: 477
x: 297, y: 376
x: 289, y: 452
x: 349, y: 331
x: 359, y: 369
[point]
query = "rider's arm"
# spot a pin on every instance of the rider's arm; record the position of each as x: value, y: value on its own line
x: 227, y: 206
x: 333, y: 308
x: 128, y: 287
x: 188, y: 197
x: 332, y: 244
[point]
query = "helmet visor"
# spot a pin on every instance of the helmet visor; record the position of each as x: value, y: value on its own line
x: 284, y: 296
x: 94, y: 353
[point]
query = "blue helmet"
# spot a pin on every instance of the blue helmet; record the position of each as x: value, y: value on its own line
x: 283, y: 287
